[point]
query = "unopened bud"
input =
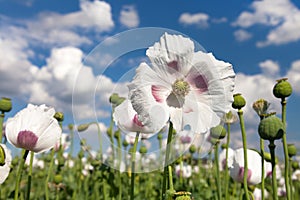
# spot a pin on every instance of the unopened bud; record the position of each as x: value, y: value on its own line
x: 238, y: 101
x: 282, y: 88
x: 2, y: 156
x: 82, y: 127
x: 5, y: 104
x: 59, y: 116
x: 218, y: 132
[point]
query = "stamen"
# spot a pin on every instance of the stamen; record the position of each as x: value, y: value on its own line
x: 181, y: 88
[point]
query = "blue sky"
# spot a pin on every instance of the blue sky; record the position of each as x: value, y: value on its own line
x: 42, y: 40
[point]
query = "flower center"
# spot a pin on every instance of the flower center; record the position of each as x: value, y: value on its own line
x: 181, y: 88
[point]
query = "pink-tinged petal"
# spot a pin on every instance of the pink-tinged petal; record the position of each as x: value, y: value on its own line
x: 217, y: 79
x: 254, y: 166
x: 136, y: 121
x: 127, y: 120
x: 159, y: 93
x: 241, y: 174
x: 173, y: 54
x: 26, y: 140
x: 37, y: 120
x: 197, y: 81
x: 150, y: 112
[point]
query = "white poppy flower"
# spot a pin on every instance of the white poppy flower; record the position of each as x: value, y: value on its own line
x: 254, y: 166
x: 33, y: 128
x: 184, y: 170
x: 192, y: 89
x: 5, y: 168
x: 222, y: 158
x: 268, y: 166
x: 64, y: 142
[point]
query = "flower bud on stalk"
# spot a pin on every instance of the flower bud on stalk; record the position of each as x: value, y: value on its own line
x: 5, y: 104
x: 282, y: 89
x: 238, y: 101
x: 292, y: 150
x: 82, y: 127
x: 271, y: 128
x: 2, y: 156
x: 59, y: 116
x: 192, y: 149
x: 218, y: 132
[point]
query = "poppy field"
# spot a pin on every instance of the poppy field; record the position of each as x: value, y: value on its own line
x: 184, y: 101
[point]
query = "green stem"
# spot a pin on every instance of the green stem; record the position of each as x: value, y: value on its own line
x: 226, y: 164
x: 72, y: 142
x: 262, y: 152
x: 133, y: 165
x: 1, y: 126
x: 19, y: 174
x: 111, y: 136
x: 99, y: 137
x: 217, y: 170
x: 119, y: 166
x: 286, y: 156
x: 274, y: 181
x: 244, y: 138
x: 29, y: 175
x: 49, y: 174
x: 170, y: 178
x: 164, y: 186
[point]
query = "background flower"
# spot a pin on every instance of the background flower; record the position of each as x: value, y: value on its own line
x: 34, y: 128
x: 4, y: 169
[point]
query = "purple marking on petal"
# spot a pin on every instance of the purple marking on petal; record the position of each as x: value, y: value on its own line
x: 27, y: 139
x: 200, y: 83
x: 185, y: 139
x: 136, y: 121
x: 173, y: 64
x: 241, y: 174
x: 155, y: 93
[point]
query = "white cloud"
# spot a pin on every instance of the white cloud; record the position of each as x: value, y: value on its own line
x: 270, y: 68
x: 282, y: 15
x: 242, y: 35
x: 129, y: 17
x: 198, y: 19
x: 61, y: 29
x: 293, y: 76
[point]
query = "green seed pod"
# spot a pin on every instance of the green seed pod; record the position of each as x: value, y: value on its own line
x: 2, y: 156
x: 271, y: 128
x: 71, y: 126
x: 143, y: 150
x: 224, y: 146
x: 295, y: 165
x: 218, y: 132
x: 58, y: 179
x: 267, y: 156
x: 238, y: 101
x: 292, y: 150
x: 192, y: 149
x: 115, y: 100
x: 117, y: 134
x: 5, y: 104
x: 125, y: 143
x: 59, y: 116
x: 282, y: 88
x: 82, y: 127
x: 159, y: 136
